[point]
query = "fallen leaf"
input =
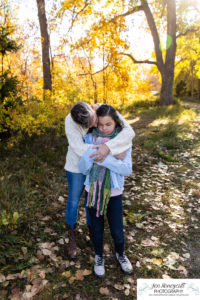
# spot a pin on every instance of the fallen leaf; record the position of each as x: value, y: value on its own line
x: 165, y: 276
x: 78, y: 297
x: 65, y: 296
x: 2, y: 278
x: 37, y: 281
x: 5, y: 283
x: 46, y: 252
x: 104, y: 291
x: 28, y: 287
x: 79, y: 275
x: 157, y: 252
x: 56, y: 248
x: 127, y: 286
x: 162, y: 166
x: 46, y: 218
x: 42, y: 274
x: 71, y: 280
x: 44, y: 282
x: 118, y: 287
x: 61, y: 242
x: 138, y: 264
x: 87, y: 272
x: 66, y: 274
x: 40, y: 257
x: 147, y: 243
x: 78, y: 265
x: 48, y: 230
x: 170, y: 260
x: 24, y: 250
x: 157, y: 262
x: 61, y: 199
x: 186, y: 255
x: 46, y: 245
x: 139, y: 225
x: 15, y: 294
x: 130, y: 280
x: 13, y: 276
x: 127, y: 292
x: 183, y: 270
x: 31, y: 293
x: 54, y: 257
x: 107, y: 247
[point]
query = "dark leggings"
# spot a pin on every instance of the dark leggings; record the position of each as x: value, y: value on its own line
x: 115, y: 220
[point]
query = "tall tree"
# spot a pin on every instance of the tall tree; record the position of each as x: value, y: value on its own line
x: 160, y: 15
x: 165, y: 67
x: 7, y: 29
x: 45, y: 45
x: 188, y: 62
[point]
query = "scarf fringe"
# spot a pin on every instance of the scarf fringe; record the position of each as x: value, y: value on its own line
x: 100, y: 180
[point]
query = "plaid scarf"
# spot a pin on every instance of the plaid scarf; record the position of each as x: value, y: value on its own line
x: 100, y: 180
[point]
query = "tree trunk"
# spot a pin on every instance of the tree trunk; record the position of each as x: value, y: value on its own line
x: 166, y: 68
x: 166, y: 97
x: 167, y: 73
x: 192, y: 78
x: 95, y: 93
x: 198, y: 89
x: 47, y: 84
x: 2, y: 61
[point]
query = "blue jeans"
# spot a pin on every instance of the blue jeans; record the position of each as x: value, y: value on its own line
x: 75, y: 189
x: 115, y: 220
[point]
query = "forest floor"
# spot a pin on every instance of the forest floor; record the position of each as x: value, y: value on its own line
x: 161, y: 213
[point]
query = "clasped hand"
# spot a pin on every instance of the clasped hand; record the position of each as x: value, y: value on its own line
x: 102, y: 152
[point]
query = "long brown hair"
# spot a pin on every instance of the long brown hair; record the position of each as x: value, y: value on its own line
x: 108, y: 110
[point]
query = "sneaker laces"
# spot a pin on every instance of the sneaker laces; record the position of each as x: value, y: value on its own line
x: 123, y: 259
x: 99, y: 261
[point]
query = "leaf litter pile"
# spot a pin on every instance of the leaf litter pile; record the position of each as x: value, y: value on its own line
x: 162, y: 230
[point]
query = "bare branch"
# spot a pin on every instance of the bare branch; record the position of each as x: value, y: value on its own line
x: 76, y: 14
x: 180, y: 61
x: 146, y: 61
x: 190, y: 30
x: 128, y: 13
x: 155, y: 35
x: 95, y: 72
x: 164, y: 6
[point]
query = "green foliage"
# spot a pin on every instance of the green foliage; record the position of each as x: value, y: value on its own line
x: 32, y: 179
x: 8, y: 220
x: 6, y: 43
x: 167, y: 129
x: 181, y: 88
x: 134, y: 218
x: 137, y: 104
x: 38, y: 116
x: 9, y: 101
x: 8, y: 85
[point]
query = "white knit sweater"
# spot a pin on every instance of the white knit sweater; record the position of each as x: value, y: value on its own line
x: 77, y: 147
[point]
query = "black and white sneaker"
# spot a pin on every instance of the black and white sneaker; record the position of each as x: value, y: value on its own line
x: 125, y: 263
x: 99, y: 269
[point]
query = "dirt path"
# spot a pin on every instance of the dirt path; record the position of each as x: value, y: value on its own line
x: 161, y: 218
x: 192, y: 104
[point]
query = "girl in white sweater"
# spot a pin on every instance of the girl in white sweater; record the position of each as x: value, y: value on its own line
x: 81, y: 118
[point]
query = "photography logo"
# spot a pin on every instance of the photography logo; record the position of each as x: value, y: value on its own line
x: 165, y: 289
